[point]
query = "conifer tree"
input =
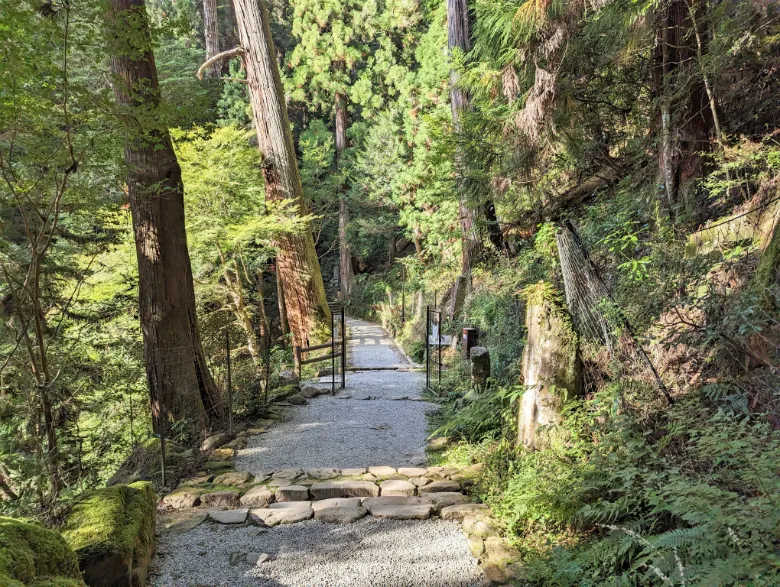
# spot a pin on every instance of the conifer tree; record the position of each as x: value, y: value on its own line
x: 180, y: 384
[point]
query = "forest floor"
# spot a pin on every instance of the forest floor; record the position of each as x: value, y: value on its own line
x: 379, y: 419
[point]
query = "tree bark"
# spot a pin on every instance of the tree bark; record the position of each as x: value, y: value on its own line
x: 459, y: 37
x: 686, y: 114
x: 211, y: 32
x: 297, y: 263
x: 180, y: 384
x: 284, y: 326
x: 345, y: 258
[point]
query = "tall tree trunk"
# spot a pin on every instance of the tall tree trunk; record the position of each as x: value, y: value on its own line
x: 687, y: 115
x: 211, y: 32
x: 345, y: 258
x: 175, y: 363
x: 297, y: 262
x: 459, y: 37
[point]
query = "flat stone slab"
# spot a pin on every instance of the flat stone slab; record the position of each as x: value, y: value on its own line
x: 286, y: 505
x: 229, y: 516
x: 323, y: 473
x: 382, y: 472
x: 412, y: 471
x: 258, y: 496
x: 186, y: 523
x: 444, y: 499
x: 291, y: 474
x: 280, y: 482
x: 461, y: 510
x: 220, y: 499
x: 292, y: 493
x: 340, y: 515
x: 397, y: 488
x: 274, y: 517
x: 234, y: 478
x: 419, y: 481
x: 329, y: 489
x: 439, y: 487
x: 379, y: 502
x: 402, y: 512
x: 336, y: 502
x: 353, y: 472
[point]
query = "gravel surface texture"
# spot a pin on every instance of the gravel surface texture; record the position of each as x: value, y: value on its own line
x: 365, y: 424
x: 367, y: 553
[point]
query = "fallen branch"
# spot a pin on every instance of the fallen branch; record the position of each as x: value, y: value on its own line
x: 236, y: 52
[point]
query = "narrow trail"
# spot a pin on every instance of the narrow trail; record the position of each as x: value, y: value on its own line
x: 379, y: 419
x: 366, y: 424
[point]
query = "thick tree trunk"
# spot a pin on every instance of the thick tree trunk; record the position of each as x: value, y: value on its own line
x: 297, y: 263
x: 345, y: 258
x: 211, y: 32
x: 685, y: 111
x: 180, y: 384
x: 552, y: 372
x: 459, y: 37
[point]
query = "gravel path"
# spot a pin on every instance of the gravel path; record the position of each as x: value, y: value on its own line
x: 377, y: 420
x: 365, y: 424
x: 370, y: 552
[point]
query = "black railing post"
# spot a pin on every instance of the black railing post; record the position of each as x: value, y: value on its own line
x: 343, y: 349
x: 332, y: 355
x: 427, y: 347
x: 160, y: 416
x: 403, y: 295
x: 438, y: 383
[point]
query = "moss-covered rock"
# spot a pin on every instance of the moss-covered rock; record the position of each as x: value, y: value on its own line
x: 112, y: 534
x: 284, y: 392
x: 31, y: 555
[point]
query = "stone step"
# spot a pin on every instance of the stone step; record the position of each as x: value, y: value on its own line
x: 328, y: 489
x: 340, y: 514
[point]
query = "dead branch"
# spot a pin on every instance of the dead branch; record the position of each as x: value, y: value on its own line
x: 235, y: 52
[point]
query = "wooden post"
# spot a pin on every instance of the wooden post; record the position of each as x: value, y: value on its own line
x: 229, y: 384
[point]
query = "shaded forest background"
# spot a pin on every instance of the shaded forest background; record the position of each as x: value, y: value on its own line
x: 618, y: 159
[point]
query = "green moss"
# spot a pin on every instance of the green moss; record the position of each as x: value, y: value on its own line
x: 117, y: 520
x: 33, y: 555
x: 57, y: 582
x: 284, y: 392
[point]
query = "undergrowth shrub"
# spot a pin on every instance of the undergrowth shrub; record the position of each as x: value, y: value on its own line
x: 684, y: 497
